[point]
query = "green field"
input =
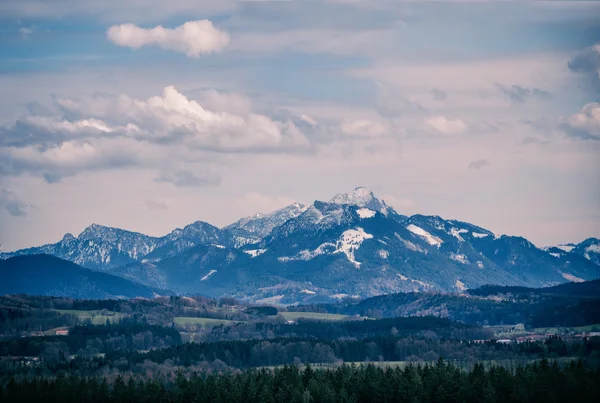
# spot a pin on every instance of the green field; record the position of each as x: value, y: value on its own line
x: 588, y: 328
x: 312, y: 315
x: 182, y: 321
x: 97, y: 317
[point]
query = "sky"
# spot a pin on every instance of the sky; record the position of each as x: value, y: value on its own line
x: 149, y: 115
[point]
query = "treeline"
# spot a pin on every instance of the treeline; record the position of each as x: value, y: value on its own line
x: 581, y: 314
x: 584, y: 289
x: 540, y: 382
x: 534, y: 309
x: 331, y: 330
x: 254, y: 353
x: 90, y: 340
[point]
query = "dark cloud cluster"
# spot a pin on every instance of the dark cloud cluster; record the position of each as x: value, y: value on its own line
x: 587, y: 64
x: 438, y: 95
x: 184, y: 178
x: 478, y: 164
x: 12, y: 204
x: 518, y: 94
x: 391, y: 103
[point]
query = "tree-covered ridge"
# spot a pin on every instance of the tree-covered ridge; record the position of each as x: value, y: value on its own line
x: 49, y: 275
x: 567, y: 305
x: 89, y: 340
x: 350, y: 328
x: 583, y: 289
x: 539, y: 382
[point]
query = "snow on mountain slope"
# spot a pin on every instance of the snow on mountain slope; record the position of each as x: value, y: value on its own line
x: 178, y: 240
x: 353, y: 245
x: 590, y: 249
x: 365, y: 213
x: 350, y: 241
x: 252, y: 229
x: 432, y: 240
x: 99, y: 247
x: 566, y: 247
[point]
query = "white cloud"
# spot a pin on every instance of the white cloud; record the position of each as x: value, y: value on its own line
x: 71, y: 158
x: 159, y: 133
x: 194, y: 38
x: 171, y: 118
x: 364, y: 128
x: 25, y: 32
x: 446, y: 125
x: 585, y: 124
x: 222, y: 102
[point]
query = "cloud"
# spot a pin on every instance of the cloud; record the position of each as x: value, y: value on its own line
x: 184, y: 178
x: 534, y: 140
x: 585, y: 124
x: 392, y: 104
x: 478, y: 164
x: 11, y: 203
x: 71, y: 158
x: 194, y: 38
x: 222, y: 102
x: 438, y: 95
x: 518, y: 94
x: 35, y: 108
x: 446, y: 125
x: 159, y: 133
x: 25, y: 32
x: 156, y: 205
x: 170, y: 118
x: 587, y: 63
x: 364, y: 128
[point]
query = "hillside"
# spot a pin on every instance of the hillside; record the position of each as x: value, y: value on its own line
x: 49, y: 275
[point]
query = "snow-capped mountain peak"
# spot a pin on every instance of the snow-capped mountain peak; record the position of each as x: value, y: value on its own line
x: 361, y: 197
x: 252, y: 229
x: 96, y: 231
x: 68, y: 237
x: 590, y: 249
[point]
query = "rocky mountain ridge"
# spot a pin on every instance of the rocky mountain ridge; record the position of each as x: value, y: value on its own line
x: 352, y: 245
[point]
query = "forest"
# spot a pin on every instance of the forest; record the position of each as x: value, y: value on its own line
x: 565, y: 305
x: 441, y: 382
x: 184, y: 348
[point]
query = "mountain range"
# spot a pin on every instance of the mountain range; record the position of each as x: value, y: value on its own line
x: 353, y: 245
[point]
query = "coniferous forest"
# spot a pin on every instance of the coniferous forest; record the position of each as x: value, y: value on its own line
x: 540, y: 382
x: 184, y: 349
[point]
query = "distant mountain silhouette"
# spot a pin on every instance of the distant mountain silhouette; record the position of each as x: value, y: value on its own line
x: 49, y: 275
